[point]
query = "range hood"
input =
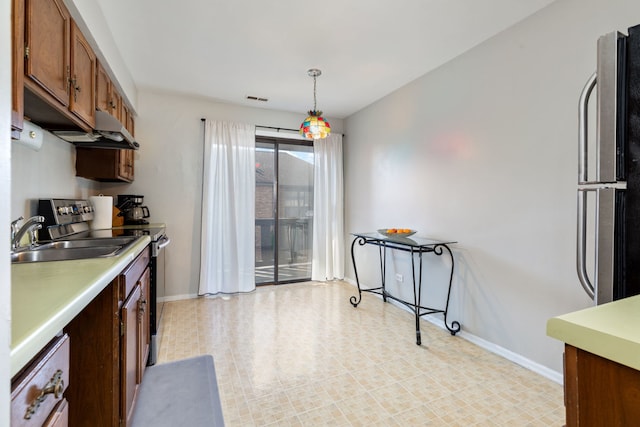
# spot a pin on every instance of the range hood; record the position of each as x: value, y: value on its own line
x: 109, y: 133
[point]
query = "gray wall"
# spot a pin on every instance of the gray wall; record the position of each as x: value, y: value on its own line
x: 483, y: 151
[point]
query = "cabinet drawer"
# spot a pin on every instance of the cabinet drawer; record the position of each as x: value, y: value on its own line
x: 60, y: 415
x: 48, y: 373
x: 132, y: 273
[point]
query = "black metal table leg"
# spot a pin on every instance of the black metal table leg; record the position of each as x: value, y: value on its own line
x: 416, y: 246
x: 455, y: 325
x: 382, y: 253
x: 355, y: 301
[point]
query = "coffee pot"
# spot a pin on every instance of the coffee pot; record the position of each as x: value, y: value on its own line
x: 131, y: 209
x: 137, y: 212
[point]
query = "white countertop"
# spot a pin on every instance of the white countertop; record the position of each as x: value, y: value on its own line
x: 610, y: 330
x: 46, y: 296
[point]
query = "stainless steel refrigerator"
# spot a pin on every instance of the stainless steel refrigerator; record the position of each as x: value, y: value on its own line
x: 608, y: 242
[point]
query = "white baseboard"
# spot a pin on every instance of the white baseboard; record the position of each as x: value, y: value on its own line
x: 503, y: 352
x: 178, y: 297
x: 516, y: 358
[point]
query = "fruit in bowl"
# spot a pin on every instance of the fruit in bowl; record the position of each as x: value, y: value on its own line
x: 396, y: 232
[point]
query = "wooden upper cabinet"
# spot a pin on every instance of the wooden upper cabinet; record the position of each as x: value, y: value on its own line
x: 127, y: 119
x: 59, y: 68
x: 17, y: 72
x: 83, y: 70
x: 105, y: 165
x: 104, y: 100
x: 107, y: 97
x: 125, y: 165
x: 116, y: 107
x: 130, y: 125
x: 47, y: 48
x: 124, y: 113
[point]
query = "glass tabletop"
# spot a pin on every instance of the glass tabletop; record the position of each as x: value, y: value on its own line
x: 415, y: 241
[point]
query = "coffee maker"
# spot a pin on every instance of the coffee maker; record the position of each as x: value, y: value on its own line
x: 131, y: 208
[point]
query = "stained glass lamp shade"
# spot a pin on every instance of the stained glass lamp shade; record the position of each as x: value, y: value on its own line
x: 315, y: 126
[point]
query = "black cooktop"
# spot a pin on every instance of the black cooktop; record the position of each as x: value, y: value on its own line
x: 155, y: 233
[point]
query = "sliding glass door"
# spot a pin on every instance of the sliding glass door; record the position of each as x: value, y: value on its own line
x: 284, y: 210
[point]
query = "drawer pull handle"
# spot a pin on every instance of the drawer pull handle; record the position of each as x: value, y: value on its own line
x: 55, y: 386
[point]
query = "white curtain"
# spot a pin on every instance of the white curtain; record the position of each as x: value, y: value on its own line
x: 228, y: 209
x: 328, y: 222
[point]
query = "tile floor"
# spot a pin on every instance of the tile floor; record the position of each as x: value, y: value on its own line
x: 301, y: 355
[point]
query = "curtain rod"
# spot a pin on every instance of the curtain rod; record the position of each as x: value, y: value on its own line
x: 267, y: 127
x: 278, y: 129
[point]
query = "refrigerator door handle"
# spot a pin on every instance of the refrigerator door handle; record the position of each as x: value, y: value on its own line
x: 583, y: 129
x: 581, y: 248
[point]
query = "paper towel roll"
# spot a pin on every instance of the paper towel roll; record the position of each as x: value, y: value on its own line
x: 102, y: 211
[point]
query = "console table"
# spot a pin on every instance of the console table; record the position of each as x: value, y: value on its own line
x: 416, y: 246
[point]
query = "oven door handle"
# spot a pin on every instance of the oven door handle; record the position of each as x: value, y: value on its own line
x: 163, y: 242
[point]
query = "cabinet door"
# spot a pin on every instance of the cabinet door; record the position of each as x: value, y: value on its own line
x: 47, y: 35
x: 125, y: 166
x: 17, y: 72
x: 144, y: 322
x: 83, y: 72
x: 124, y: 114
x: 104, y: 101
x: 94, y: 390
x: 131, y: 124
x: 129, y: 346
x: 116, y: 105
x: 127, y: 119
x: 599, y: 391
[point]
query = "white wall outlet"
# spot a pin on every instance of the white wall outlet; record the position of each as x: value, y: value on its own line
x: 399, y: 277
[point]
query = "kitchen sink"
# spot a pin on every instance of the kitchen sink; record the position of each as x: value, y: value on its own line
x: 65, y: 250
x: 87, y: 243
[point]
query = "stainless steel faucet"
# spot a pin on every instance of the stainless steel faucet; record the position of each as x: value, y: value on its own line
x: 30, y: 226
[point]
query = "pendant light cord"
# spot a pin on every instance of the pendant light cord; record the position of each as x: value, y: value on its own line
x: 314, y: 93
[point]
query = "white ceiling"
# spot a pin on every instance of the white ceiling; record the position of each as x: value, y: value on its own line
x: 228, y: 50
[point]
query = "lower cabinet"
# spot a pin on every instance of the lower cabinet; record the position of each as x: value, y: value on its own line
x: 38, y: 391
x: 135, y: 343
x: 599, y: 391
x: 108, y: 350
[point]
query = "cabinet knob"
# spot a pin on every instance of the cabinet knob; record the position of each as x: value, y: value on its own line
x: 55, y: 386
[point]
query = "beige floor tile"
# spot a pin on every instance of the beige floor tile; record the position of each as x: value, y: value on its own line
x: 324, y: 416
x: 301, y: 355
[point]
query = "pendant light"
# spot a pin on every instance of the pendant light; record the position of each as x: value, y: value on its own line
x: 314, y: 126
